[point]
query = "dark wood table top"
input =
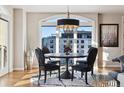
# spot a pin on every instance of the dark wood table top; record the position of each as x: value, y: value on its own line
x: 63, y: 55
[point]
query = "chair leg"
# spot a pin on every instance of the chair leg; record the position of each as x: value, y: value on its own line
x: 72, y: 74
x: 59, y: 63
x: 59, y: 73
x: 50, y: 73
x: 76, y: 64
x: 39, y: 76
x: 86, y: 77
x: 45, y: 76
x: 82, y: 74
x: 92, y: 72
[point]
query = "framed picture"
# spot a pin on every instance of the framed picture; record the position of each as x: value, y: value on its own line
x: 109, y: 35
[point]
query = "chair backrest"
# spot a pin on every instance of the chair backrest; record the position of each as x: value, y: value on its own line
x: 92, y: 57
x: 45, y: 50
x: 40, y: 56
x: 90, y: 49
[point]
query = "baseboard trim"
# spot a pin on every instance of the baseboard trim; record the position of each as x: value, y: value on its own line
x: 109, y: 66
x: 35, y: 66
x: 112, y: 66
x: 18, y: 69
x: 11, y: 70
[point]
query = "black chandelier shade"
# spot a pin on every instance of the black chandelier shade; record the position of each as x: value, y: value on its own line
x: 73, y: 22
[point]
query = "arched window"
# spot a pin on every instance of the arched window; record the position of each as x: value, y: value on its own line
x: 56, y: 41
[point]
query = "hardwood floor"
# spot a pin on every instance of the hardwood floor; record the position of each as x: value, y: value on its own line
x: 23, y: 78
x: 18, y: 78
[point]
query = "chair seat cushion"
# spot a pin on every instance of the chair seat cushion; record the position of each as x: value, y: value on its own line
x: 81, y: 67
x: 81, y: 61
x: 51, y: 67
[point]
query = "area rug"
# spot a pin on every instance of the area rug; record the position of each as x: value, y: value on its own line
x: 96, y: 80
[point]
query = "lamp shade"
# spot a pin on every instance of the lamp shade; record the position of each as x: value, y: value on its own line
x: 74, y: 22
x: 68, y: 25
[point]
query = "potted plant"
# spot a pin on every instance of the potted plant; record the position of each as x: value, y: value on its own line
x: 67, y: 49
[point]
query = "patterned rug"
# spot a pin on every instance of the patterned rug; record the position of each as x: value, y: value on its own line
x: 96, y: 80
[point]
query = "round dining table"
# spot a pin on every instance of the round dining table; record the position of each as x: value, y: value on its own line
x: 66, y: 74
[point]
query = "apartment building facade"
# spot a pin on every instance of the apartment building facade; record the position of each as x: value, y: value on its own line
x: 83, y: 42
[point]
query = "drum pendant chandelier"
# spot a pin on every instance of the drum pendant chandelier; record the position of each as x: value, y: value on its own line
x: 68, y: 24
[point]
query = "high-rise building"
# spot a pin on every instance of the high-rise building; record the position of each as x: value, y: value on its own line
x: 83, y: 42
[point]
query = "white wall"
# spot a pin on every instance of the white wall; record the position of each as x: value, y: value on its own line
x: 19, y: 38
x: 107, y: 53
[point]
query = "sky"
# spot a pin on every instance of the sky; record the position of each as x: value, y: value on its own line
x: 48, y: 31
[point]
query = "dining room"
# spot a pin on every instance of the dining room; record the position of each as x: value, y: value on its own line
x: 63, y: 45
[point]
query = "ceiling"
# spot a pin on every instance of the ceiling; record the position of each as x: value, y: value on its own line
x: 72, y: 8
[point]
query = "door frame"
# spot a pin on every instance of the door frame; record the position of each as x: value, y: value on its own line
x: 6, y: 70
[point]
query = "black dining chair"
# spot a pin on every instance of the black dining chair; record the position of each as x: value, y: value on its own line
x: 45, y: 66
x: 88, y: 66
x: 45, y: 50
x: 83, y: 62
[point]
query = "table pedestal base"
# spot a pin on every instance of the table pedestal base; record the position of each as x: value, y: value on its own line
x: 66, y: 75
